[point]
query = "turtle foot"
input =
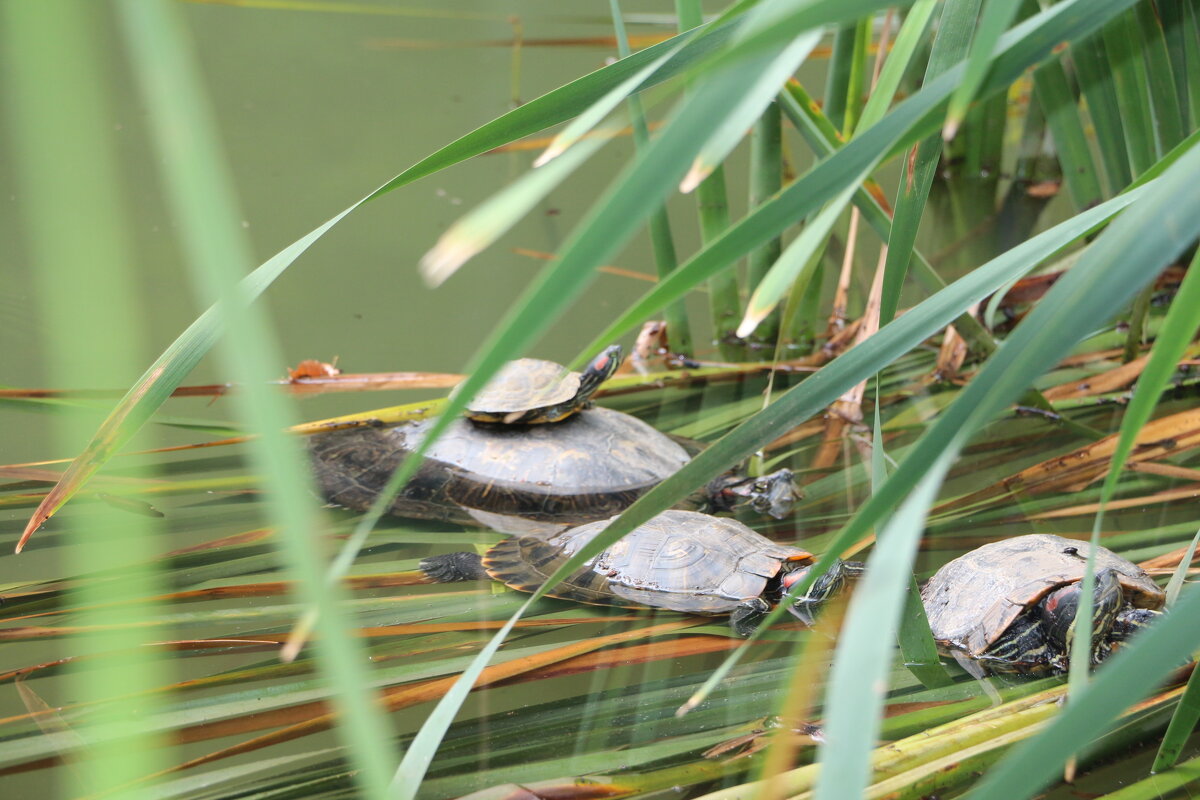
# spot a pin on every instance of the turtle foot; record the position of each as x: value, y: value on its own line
x: 745, y: 617
x: 453, y: 567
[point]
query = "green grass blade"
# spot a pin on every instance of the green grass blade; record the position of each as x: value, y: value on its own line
x: 1156, y: 787
x: 949, y: 46
x: 1175, y: 32
x: 679, y: 333
x: 88, y: 315
x: 766, y: 178
x: 1066, y: 126
x: 595, y: 114
x: 859, y: 80
x: 837, y: 78
x: 1192, y: 45
x: 1122, y: 43
x: 1099, y: 91
x: 864, y: 652
x: 899, y: 59
x: 732, y: 125
x: 997, y: 16
x: 796, y: 264
x: 202, y: 200
x: 1164, y: 100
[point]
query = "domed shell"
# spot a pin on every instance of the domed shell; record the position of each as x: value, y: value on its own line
x: 973, y: 599
x: 509, y: 478
x: 524, y: 385
x: 679, y: 560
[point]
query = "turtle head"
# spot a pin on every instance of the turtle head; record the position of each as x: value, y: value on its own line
x: 773, y: 494
x: 826, y: 586
x: 599, y: 370
x: 1060, y: 608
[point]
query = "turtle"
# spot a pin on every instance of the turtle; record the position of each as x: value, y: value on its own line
x: 526, y: 479
x: 532, y: 392
x: 1010, y: 606
x: 679, y: 560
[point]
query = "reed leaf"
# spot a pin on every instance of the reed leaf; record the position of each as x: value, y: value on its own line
x: 203, y: 202
x: 995, y: 19
x: 864, y: 648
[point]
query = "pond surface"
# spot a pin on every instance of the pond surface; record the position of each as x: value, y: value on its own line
x: 316, y: 110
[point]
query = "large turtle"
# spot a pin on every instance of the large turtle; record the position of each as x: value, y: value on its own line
x: 531, y: 479
x: 1011, y: 605
x: 532, y: 391
x: 679, y: 560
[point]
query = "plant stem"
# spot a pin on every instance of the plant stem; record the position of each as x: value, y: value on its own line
x: 766, y: 178
x: 679, y: 334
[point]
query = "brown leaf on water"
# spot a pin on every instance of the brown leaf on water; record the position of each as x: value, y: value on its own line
x: 1079, y: 468
x: 308, y: 718
x: 1087, y: 509
x: 1109, y: 381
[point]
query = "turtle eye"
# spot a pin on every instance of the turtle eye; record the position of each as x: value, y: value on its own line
x: 760, y: 486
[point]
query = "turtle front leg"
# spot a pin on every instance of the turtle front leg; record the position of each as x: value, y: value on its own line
x: 745, y: 618
x: 453, y: 567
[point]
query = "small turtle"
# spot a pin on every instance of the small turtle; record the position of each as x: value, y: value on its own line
x: 526, y: 479
x: 679, y: 560
x: 1011, y: 605
x: 532, y: 391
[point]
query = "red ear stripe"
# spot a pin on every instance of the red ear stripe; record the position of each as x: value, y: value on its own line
x: 601, y: 363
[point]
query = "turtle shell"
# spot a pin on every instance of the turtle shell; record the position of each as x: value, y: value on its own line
x: 974, y: 599
x: 521, y: 386
x: 515, y: 479
x: 679, y: 560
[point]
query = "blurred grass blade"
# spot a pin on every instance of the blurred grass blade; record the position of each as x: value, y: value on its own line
x: 1164, y: 100
x: 997, y: 16
x: 1066, y: 126
x: 791, y: 267
x: 203, y: 202
x: 734, y: 122
x: 796, y: 263
x: 477, y: 230
x: 1099, y: 92
x: 864, y: 651
x: 899, y: 59
x: 1122, y: 43
x: 159, y: 381
x: 589, y: 119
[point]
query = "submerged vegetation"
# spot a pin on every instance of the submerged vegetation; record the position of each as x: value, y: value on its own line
x: 1033, y: 372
